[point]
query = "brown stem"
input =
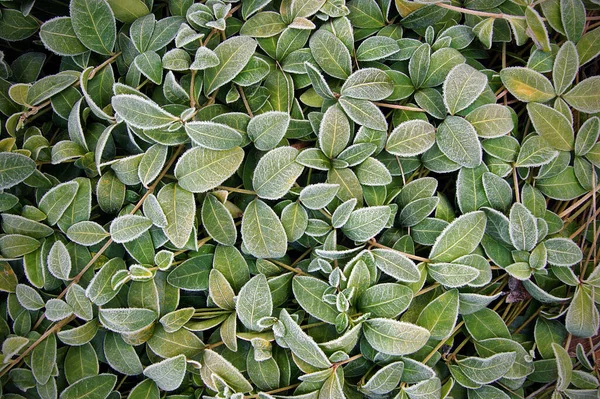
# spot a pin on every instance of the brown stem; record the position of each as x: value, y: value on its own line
x: 248, y: 110
x: 287, y: 267
x: 274, y: 391
x: 402, y: 107
x: 478, y: 13
x: 374, y: 243
x: 51, y: 330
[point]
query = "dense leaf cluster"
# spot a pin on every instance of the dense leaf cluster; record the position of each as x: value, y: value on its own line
x: 319, y: 199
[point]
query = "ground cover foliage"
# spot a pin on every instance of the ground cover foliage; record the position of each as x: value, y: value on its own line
x: 300, y: 198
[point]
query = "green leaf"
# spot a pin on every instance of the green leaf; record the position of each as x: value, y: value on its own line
x: 46, y: 87
x: 563, y: 186
x: 523, y: 228
x: 564, y: 366
x: 584, y: 96
x: 330, y: 54
x: 536, y: 29
x: 81, y: 305
x: 217, y: 221
x: 365, y: 14
x: 100, y: 291
x: 17, y: 245
x: 126, y: 320
x: 372, y: 172
x: 86, y: 233
x: 489, y: 369
x: 55, y: 202
x: 146, y: 389
x: 262, y: 232
x: 81, y: 362
x: 301, y: 344
x: 167, y: 374
x: 491, y: 120
x: 318, y: 196
x: 192, y: 275
x: 459, y: 238
x: 214, y: 136
x: 215, y: 365
x: 15, y: 26
x: 439, y: 316
x: 536, y: 151
x: 204, y: 59
x: 128, y: 11
x: 14, y: 168
x: 180, y: 342
x: 527, y: 85
x: 150, y: 65
x: 318, y: 81
x: 368, y: 84
x: 396, y: 264
x: 588, y: 46
x: 565, y: 67
x: 120, y: 355
x: 59, y: 262
x: 58, y: 36
x: 43, y: 359
x: 364, y: 113
x: 395, y: 337
x: 8, y: 279
x: 202, y: 169
x: 484, y: 324
x: 582, y: 315
x: 452, y: 274
x: 411, y: 138
x: 234, y: 53
x: 572, y: 14
x: 254, y: 302
x: 175, y: 320
x: 140, y: 112
x: 385, y: 300
x: 93, y: 387
x: 376, y: 48
x: 462, y: 86
x: 268, y: 129
x: 366, y: 223
x: 265, y: 374
x: 129, y: 227
x: 418, y: 65
x: 552, y: 125
x: 587, y: 136
x: 563, y: 252
x: 498, y: 191
x: 385, y: 379
x: 309, y: 292
x: 294, y: 219
x: 276, y: 172
x: 180, y: 209
x: 263, y: 24
x: 441, y: 62
x: 230, y: 262
x: 485, y: 31
x: 94, y: 24
x: 457, y: 139
x: 334, y: 132
x: 220, y: 291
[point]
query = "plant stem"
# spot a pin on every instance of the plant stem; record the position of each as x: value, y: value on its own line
x: 236, y: 190
x: 50, y: 331
x: 92, y: 261
x: 374, y: 243
x: 402, y: 107
x: 478, y: 13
